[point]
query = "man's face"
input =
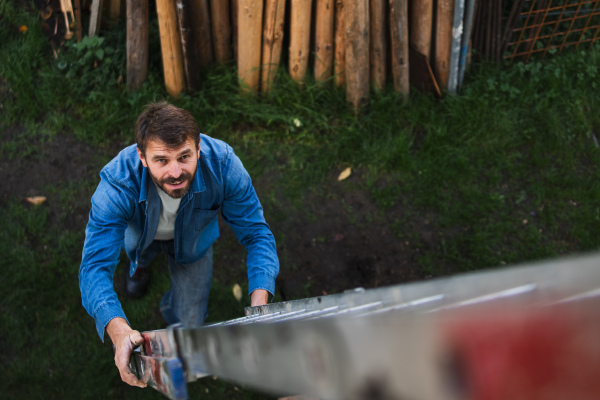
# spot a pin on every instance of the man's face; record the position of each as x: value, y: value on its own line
x: 173, y: 170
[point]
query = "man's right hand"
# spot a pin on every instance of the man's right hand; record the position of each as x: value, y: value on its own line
x: 125, y: 340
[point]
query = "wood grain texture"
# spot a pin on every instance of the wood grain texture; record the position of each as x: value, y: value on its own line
x: 77, y: 8
x: 324, y: 40
x: 356, y: 20
x: 378, y: 13
x: 400, y: 45
x: 250, y: 13
x: 421, y: 25
x: 300, y: 19
x: 221, y: 30
x: 339, y: 63
x: 170, y: 47
x: 95, y: 17
x: 188, y: 49
x: 202, y: 32
x: 443, y: 42
x: 137, y: 43
x: 234, y: 27
x: 274, y: 20
x: 114, y: 10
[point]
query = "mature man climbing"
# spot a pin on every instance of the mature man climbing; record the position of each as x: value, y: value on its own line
x: 163, y: 194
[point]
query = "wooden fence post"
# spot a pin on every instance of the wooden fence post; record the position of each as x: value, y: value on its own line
x: 77, y: 7
x: 221, y: 30
x: 114, y: 10
x: 378, y: 43
x: 339, y: 64
x: 170, y: 47
x: 188, y: 50
x: 202, y: 32
x: 250, y: 13
x: 421, y: 26
x: 399, y: 34
x: 300, y: 13
x: 356, y: 20
x: 324, y: 39
x: 234, y: 27
x: 137, y: 43
x: 95, y: 17
x: 272, y: 42
x: 443, y: 41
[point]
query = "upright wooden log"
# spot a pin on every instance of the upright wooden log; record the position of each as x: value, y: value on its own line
x: 77, y: 7
x: 202, y: 32
x: 400, y: 45
x: 443, y: 41
x: 356, y: 20
x: 299, y: 39
x: 95, y: 17
x: 221, y: 30
x: 137, y: 43
x: 272, y: 42
x: 421, y: 25
x: 188, y: 50
x: 324, y: 43
x: 378, y: 43
x: 170, y: 47
x: 250, y: 13
x: 234, y: 27
x: 114, y: 9
x: 339, y: 64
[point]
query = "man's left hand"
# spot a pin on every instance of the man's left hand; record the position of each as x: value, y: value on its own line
x: 259, y: 297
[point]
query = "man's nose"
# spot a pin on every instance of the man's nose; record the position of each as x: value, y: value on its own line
x: 175, y: 170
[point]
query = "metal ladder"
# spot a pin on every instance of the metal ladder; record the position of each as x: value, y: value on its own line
x: 528, y: 332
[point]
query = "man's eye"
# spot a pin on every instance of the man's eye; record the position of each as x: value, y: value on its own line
x: 185, y: 157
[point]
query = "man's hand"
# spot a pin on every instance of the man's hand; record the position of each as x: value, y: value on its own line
x: 125, y: 340
x: 259, y: 297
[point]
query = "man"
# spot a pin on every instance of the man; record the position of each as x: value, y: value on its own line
x: 163, y: 194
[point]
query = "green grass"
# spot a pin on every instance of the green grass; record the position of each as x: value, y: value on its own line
x: 504, y: 173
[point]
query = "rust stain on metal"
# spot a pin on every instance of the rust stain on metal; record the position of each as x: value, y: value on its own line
x: 541, y: 27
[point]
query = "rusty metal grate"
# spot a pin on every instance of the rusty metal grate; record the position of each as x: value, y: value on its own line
x: 540, y: 27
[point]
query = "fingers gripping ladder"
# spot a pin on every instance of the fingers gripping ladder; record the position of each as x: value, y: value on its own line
x: 527, y: 332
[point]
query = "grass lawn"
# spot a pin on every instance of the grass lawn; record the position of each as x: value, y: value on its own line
x: 504, y: 173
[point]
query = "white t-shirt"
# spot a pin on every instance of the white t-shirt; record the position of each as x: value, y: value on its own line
x: 168, y: 213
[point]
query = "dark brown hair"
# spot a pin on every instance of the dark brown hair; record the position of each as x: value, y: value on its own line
x: 164, y: 122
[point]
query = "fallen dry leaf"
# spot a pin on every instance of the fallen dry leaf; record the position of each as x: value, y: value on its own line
x: 345, y: 174
x: 23, y: 28
x: 237, y: 292
x: 36, y: 200
x: 46, y: 12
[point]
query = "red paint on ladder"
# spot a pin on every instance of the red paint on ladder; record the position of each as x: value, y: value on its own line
x: 533, y: 354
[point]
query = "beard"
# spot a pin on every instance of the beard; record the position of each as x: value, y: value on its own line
x: 174, y: 193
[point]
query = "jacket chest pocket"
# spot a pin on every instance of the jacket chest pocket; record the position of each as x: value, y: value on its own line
x: 204, y: 217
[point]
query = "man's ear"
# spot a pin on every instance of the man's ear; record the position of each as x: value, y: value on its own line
x: 142, y: 158
x: 198, y: 150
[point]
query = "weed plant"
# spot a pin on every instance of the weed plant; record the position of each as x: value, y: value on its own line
x: 506, y: 172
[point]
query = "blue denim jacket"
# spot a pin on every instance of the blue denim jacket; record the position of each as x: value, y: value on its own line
x: 125, y: 212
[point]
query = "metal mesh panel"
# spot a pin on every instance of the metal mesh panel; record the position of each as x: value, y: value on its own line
x: 541, y: 27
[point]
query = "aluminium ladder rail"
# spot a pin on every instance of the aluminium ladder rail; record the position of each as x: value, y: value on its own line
x: 527, y: 332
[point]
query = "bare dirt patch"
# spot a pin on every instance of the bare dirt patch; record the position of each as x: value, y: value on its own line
x: 336, y: 239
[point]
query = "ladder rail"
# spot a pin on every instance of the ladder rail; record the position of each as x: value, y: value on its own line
x: 403, y: 341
